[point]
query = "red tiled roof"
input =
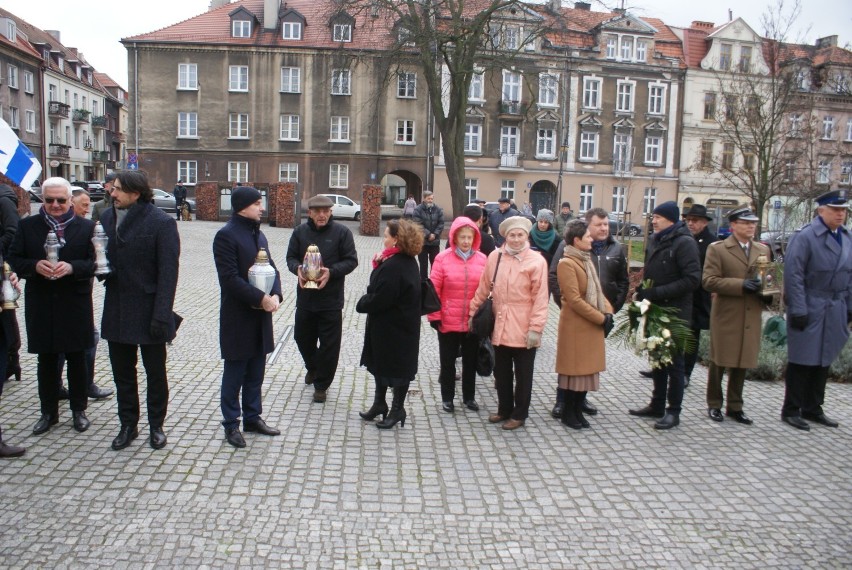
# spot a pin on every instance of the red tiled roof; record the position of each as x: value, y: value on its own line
x: 695, y: 46
x: 21, y: 45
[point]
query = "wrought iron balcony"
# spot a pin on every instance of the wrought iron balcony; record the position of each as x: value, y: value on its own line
x: 58, y: 110
x: 58, y: 150
x: 511, y: 108
x: 623, y: 167
x: 99, y: 122
x: 509, y: 161
x: 80, y: 116
x: 100, y: 156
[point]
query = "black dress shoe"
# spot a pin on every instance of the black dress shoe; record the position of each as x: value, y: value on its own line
x: 796, y: 422
x: 158, y: 438
x: 81, y: 422
x: 648, y: 412
x: 588, y: 409
x: 235, y: 438
x: 821, y: 419
x: 668, y: 422
x: 646, y: 373
x: 739, y: 417
x: 259, y: 426
x: 97, y: 393
x: 63, y: 393
x: 320, y: 396
x: 471, y: 405
x: 310, y: 377
x: 715, y: 414
x: 44, y: 423
x: 124, y: 437
x: 448, y: 407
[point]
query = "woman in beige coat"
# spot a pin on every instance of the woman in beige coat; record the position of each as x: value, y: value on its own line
x: 585, y: 319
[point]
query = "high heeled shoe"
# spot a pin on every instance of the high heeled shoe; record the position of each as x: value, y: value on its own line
x: 397, y: 412
x: 378, y: 408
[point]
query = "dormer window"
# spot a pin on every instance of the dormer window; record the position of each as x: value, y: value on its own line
x: 291, y: 30
x: 611, y: 46
x: 641, y: 50
x: 745, y: 59
x: 725, y: 57
x: 241, y: 29
x: 61, y: 63
x: 626, y: 47
x: 342, y: 33
x: 11, y: 30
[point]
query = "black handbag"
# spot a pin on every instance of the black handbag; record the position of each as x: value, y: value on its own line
x: 429, y: 300
x: 485, y: 358
x: 482, y: 323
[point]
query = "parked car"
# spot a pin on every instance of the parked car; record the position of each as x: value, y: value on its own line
x: 344, y: 207
x: 166, y: 202
x: 617, y: 226
x: 94, y: 188
x: 777, y: 243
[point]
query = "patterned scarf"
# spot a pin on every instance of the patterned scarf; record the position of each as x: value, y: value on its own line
x: 59, y: 224
x: 594, y: 294
x: 384, y: 255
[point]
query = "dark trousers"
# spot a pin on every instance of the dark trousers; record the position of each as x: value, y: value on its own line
x: 48, y: 382
x: 426, y: 258
x: 123, y: 358
x: 178, y: 206
x: 690, y: 358
x: 736, y: 379
x: 318, y: 334
x: 4, y: 361
x: 90, y: 354
x: 668, y: 383
x: 804, y: 391
x: 515, y: 406
x: 245, y: 376
x: 448, y: 348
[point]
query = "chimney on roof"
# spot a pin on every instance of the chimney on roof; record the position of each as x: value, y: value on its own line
x: 215, y: 4
x: 699, y: 25
x: 827, y: 41
x: 730, y: 15
x: 270, y: 14
x: 582, y: 6
x: 54, y: 34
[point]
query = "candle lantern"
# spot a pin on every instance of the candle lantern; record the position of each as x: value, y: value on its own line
x: 51, y: 248
x: 100, y: 240
x: 262, y: 274
x: 9, y: 293
x: 767, y: 273
x: 312, y: 266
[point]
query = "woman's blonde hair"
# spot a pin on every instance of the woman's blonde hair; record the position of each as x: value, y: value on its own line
x: 409, y: 236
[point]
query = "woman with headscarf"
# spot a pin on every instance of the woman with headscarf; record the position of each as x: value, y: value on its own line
x: 584, y: 320
x: 543, y: 238
x: 392, y: 334
x: 520, y: 298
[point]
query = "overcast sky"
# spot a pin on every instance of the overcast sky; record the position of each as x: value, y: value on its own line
x: 95, y: 26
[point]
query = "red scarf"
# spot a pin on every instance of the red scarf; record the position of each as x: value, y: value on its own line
x: 380, y: 257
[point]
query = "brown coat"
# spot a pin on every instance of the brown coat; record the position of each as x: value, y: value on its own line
x: 580, y: 348
x: 735, y: 317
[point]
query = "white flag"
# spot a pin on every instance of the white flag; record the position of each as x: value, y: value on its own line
x: 16, y: 160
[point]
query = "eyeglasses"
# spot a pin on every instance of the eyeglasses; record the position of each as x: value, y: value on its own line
x: 52, y: 200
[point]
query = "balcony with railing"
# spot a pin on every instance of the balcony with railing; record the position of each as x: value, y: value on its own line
x: 58, y: 150
x: 510, y: 161
x: 622, y: 167
x: 58, y: 110
x: 100, y: 156
x: 81, y: 116
x: 100, y: 122
x: 512, y: 110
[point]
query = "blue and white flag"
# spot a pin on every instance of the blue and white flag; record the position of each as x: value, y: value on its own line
x: 16, y: 160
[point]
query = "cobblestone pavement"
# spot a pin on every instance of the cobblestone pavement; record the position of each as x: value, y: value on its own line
x: 448, y: 491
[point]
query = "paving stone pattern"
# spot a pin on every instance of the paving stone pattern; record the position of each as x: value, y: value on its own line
x: 445, y: 491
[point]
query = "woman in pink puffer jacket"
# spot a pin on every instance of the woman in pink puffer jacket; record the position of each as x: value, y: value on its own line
x: 456, y: 274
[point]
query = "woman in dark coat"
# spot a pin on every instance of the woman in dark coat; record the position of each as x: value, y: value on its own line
x: 543, y: 238
x: 392, y: 335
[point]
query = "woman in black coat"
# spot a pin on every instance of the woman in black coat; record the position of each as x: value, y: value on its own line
x: 392, y: 335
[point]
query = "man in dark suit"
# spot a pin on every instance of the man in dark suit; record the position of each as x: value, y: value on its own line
x: 143, y: 251
x: 245, y: 317
x: 58, y: 299
x: 180, y: 197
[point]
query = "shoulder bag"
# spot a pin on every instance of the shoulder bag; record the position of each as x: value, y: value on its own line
x: 482, y: 324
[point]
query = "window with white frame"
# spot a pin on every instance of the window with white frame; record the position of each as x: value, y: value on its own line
x: 471, y: 185
x: 238, y: 126
x: 548, y: 89
x: 476, y: 90
x: 187, y: 171
x: 13, y: 77
x: 338, y: 176
x: 587, y: 196
x: 641, y: 50
x: 511, y: 86
x: 789, y: 170
x: 621, y: 154
x: 241, y: 28
x: 339, y: 129
x: 828, y: 127
x: 472, y: 138
x: 619, y: 199
x: 653, y: 150
x: 546, y: 143
x: 656, y: 99
x: 289, y: 128
x: 846, y: 172
x: 650, y: 200
x: 291, y: 30
x: 52, y: 93
x: 823, y: 170
x: 509, y: 141
x: 727, y: 156
x: 406, y: 85
x: 706, y: 157
x: 745, y: 59
x: 291, y: 80
x: 14, y: 118
x: 237, y: 171
x: 709, y: 106
x: 28, y: 82
x: 848, y: 130
x: 507, y: 189
x: 589, y: 145
x: 405, y: 131
x: 340, y: 82
x: 342, y: 33
x: 238, y: 78
x: 510, y: 37
x: 30, y: 121
x: 611, y: 46
x: 591, y: 93
x: 795, y: 125
x: 288, y: 172
x: 626, y: 48
x: 187, y: 76
x: 624, y: 96
x: 187, y: 125
x: 725, y: 51
x: 95, y: 109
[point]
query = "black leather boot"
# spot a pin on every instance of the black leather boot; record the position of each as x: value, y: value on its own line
x: 397, y: 412
x: 579, y: 400
x: 556, y: 412
x: 380, y: 406
x: 10, y: 450
x: 569, y: 411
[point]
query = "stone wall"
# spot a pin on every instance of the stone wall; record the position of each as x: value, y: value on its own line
x: 282, y: 204
x: 371, y: 209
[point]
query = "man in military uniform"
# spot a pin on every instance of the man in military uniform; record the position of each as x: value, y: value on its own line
x: 818, y: 294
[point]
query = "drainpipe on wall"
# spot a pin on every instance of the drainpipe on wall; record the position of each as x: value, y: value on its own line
x: 136, y: 98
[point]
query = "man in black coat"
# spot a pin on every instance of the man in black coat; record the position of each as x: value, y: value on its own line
x: 673, y: 266
x: 431, y: 219
x: 245, y: 317
x: 180, y: 197
x: 504, y: 210
x: 138, y: 316
x: 58, y: 299
x: 318, y: 326
x: 697, y: 221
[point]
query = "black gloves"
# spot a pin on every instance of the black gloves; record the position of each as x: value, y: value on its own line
x: 608, y: 324
x: 159, y: 331
x: 751, y: 285
x: 799, y: 322
x: 435, y: 325
x: 640, y: 294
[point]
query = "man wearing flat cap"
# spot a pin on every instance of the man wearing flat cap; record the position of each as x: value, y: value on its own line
x: 319, y: 312
x: 673, y: 267
x: 697, y: 221
x: 503, y: 212
x: 736, y: 317
x: 245, y: 316
x: 818, y: 294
